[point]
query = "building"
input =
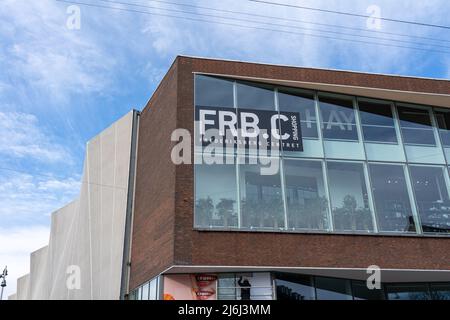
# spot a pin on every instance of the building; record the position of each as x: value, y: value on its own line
x: 361, y: 180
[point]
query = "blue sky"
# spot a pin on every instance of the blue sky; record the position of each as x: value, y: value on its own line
x: 60, y: 87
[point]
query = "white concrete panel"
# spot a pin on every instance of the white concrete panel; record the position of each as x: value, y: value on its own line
x: 23, y: 287
x: 39, y: 282
x: 88, y: 233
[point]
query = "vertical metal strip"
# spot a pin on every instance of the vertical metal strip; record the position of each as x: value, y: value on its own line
x: 281, y: 165
x: 365, y: 165
x: 406, y: 173
x: 323, y: 162
x: 126, y: 260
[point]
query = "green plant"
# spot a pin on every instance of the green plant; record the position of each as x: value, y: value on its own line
x: 225, y: 210
x: 204, y: 209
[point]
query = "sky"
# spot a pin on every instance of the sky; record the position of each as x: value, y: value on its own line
x: 61, y: 85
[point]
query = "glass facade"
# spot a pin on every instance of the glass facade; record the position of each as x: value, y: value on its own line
x: 147, y: 291
x: 368, y: 166
x: 303, y: 287
x: 292, y: 286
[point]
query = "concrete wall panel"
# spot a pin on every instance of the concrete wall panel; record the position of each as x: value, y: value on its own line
x: 88, y: 233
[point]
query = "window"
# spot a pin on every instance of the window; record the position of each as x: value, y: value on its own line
x: 377, y: 122
x: 333, y: 289
x: 261, y: 198
x: 440, y: 291
x: 294, y: 287
x: 338, y: 118
x: 392, y: 203
x: 443, y: 121
x: 349, y: 199
x: 215, y: 195
x: 227, y: 287
x: 303, y: 103
x: 255, y: 96
x: 407, y: 292
x: 213, y: 92
x: 153, y: 289
x: 307, y: 205
x: 145, y: 291
x: 362, y: 292
x: 416, y: 126
x: 432, y: 198
x: 245, y: 286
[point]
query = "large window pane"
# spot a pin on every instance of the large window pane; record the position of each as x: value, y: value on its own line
x: 349, y: 199
x: 333, y: 289
x: 153, y: 289
x: 294, y: 287
x: 392, y: 203
x: 338, y: 118
x: 377, y: 122
x: 432, y: 198
x: 407, y: 292
x: 215, y: 195
x: 416, y: 126
x: 261, y: 198
x: 305, y: 195
x: 303, y: 103
x: 255, y: 96
x: 213, y: 92
x: 362, y: 292
x: 145, y: 291
x: 227, y: 287
x: 440, y: 291
x: 443, y: 121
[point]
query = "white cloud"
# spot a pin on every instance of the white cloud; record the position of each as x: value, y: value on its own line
x: 43, y: 52
x: 26, y: 198
x: 16, y: 245
x: 21, y: 136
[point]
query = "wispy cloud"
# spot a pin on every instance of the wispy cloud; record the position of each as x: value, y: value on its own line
x: 49, y: 57
x: 26, y: 198
x: 21, y: 136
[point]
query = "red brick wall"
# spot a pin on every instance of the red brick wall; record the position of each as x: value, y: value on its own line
x: 154, y: 211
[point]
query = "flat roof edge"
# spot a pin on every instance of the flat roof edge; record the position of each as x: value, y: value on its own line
x: 314, y: 68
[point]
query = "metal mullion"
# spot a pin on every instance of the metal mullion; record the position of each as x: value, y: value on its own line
x: 281, y: 164
x: 236, y: 159
x: 324, y: 163
x: 365, y: 167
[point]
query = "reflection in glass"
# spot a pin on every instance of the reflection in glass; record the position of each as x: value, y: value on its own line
x: 333, y: 289
x: 153, y: 289
x: 443, y: 121
x: 377, y: 122
x: 440, y: 291
x: 215, y: 203
x: 392, y: 204
x: 362, y: 292
x: 338, y: 118
x: 145, y: 291
x: 294, y: 287
x: 307, y: 205
x: 261, y: 198
x: 303, y: 103
x: 213, y: 92
x: 255, y: 96
x: 227, y: 287
x: 432, y: 198
x: 407, y: 292
x: 349, y: 199
x: 416, y: 126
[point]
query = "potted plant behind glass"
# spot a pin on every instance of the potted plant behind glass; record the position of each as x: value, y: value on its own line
x: 204, y: 209
x: 225, y: 210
